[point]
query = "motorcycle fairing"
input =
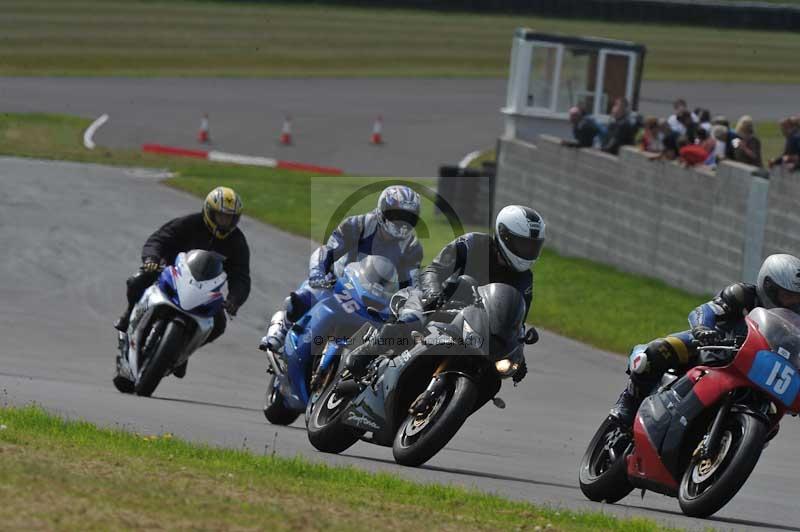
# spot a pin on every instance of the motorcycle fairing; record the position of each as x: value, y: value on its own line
x: 328, y: 318
x: 201, y: 298
x: 141, y: 317
x: 661, y: 424
x: 374, y: 408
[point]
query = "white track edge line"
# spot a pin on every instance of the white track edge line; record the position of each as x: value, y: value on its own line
x: 221, y: 156
x: 90, y: 131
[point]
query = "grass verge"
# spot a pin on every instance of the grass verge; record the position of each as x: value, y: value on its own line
x: 590, y: 302
x: 70, y: 475
x: 186, y: 38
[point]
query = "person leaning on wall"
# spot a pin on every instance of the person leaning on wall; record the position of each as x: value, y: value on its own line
x: 584, y: 129
x: 790, y: 158
x: 747, y: 147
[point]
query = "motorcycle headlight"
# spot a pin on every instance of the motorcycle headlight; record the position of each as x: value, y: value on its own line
x: 505, y: 367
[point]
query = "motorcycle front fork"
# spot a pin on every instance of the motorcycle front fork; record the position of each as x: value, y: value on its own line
x: 426, y: 399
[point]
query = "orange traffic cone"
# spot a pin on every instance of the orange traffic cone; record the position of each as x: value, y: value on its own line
x: 286, y: 131
x: 204, y: 136
x: 377, y: 131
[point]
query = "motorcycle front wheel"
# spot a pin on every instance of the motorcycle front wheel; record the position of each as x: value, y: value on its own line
x: 420, y: 437
x: 156, y: 366
x: 709, y: 483
x: 603, y: 475
x: 275, y: 410
x: 325, y: 430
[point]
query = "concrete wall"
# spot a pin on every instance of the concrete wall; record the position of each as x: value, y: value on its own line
x: 782, y: 231
x: 688, y: 227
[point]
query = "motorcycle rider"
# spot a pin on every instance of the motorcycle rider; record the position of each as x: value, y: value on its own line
x: 777, y: 286
x: 213, y: 229
x: 388, y: 231
x: 505, y: 257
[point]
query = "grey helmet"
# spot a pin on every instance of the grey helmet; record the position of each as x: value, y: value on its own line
x: 399, y: 207
x: 779, y: 278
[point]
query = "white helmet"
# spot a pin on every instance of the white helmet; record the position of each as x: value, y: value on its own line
x: 399, y: 208
x: 778, y: 283
x: 519, y: 233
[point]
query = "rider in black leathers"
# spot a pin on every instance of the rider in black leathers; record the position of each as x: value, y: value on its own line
x: 506, y: 257
x: 213, y: 229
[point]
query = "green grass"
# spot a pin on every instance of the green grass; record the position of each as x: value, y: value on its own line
x: 577, y: 298
x: 184, y: 38
x: 71, y: 475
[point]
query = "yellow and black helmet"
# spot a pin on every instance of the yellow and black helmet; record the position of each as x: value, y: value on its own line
x: 221, y: 211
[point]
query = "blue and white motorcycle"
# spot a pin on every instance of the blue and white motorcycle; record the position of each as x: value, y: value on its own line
x: 315, y: 343
x: 173, y: 318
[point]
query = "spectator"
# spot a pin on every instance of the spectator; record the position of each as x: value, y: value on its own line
x: 622, y: 129
x: 693, y: 154
x: 670, y: 139
x: 720, y: 135
x: 790, y: 158
x: 721, y: 120
x: 678, y: 106
x: 688, y: 124
x: 652, y: 136
x: 747, y: 147
x: 704, y: 119
x: 584, y: 129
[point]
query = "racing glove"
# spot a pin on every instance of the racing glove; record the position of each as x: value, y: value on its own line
x: 230, y: 307
x: 706, y: 335
x: 522, y: 370
x: 431, y: 300
x: 320, y: 281
x: 151, y: 264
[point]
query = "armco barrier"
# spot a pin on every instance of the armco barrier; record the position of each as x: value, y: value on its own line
x: 692, y: 228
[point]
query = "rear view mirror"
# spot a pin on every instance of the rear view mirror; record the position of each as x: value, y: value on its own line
x: 531, y: 336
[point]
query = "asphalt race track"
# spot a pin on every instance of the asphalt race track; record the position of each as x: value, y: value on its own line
x: 427, y: 122
x: 70, y: 235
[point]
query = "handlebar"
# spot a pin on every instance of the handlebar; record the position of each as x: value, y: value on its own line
x: 723, y: 344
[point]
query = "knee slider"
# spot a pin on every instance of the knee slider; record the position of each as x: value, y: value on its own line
x: 662, y: 354
x: 296, y: 306
x: 637, y: 362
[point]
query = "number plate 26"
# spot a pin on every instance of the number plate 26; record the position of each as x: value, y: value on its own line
x: 776, y: 375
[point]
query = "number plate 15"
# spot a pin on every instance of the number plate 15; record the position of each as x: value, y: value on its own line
x: 776, y: 375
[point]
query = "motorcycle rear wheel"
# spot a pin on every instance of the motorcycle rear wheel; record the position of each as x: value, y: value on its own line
x: 420, y: 438
x: 275, y: 410
x: 325, y: 430
x: 708, y: 485
x: 162, y: 359
x: 603, y: 473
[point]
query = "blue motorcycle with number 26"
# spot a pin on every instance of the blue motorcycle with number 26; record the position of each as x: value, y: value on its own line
x: 314, y: 344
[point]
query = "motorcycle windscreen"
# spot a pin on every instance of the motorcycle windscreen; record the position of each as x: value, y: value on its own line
x: 505, y: 309
x: 780, y: 327
x: 204, y: 265
x: 377, y: 277
x: 776, y: 371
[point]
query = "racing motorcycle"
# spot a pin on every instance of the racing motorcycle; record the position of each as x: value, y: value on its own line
x: 415, y: 402
x: 173, y: 318
x: 698, y: 437
x: 316, y: 341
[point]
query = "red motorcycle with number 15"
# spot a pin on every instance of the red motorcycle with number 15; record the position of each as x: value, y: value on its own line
x: 698, y: 437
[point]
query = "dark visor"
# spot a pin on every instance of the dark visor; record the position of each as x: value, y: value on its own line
x: 401, y: 216
x: 226, y: 221
x: 524, y: 247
